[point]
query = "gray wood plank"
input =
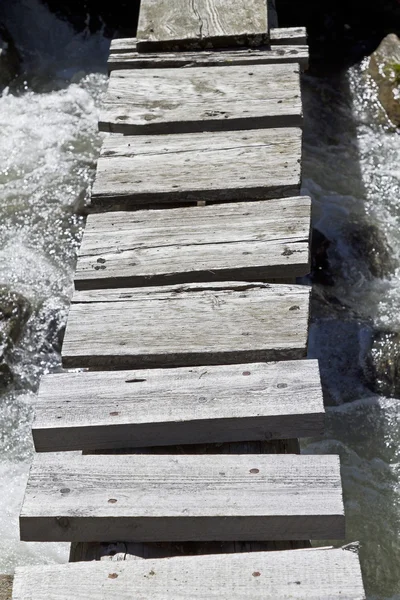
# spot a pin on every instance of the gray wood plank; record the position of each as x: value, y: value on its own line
x: 186, y: 100
x: 178, y: 25
x: 122, y: 409
x: 131, y: 59
x: 288, y: 35
x: 243, y: 241
x: 313, y: 574
x: 196, y: 324
x: 182, y: 498
x: 219, y: 166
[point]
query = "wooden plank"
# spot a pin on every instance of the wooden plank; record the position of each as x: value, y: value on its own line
x: 220, y: 167
x: 122, y: 409
x: 288, y: 35
x: 313, y: 574
x: 159, y: 101
x: 131, y: 59
x: 182, y: 498
x: 196, y: 324
x: 243, y: 241
x: 165, y: 25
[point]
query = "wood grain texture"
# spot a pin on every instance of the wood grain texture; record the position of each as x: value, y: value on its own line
x: 122, y: 409
x: 312, y: 574
x: 221, y: 167
x: 173, y: 100
x: 182, y: 25
x: 129, y: 58
x: 196, y: 324
x: 243, y: 241
x: 182, y: 498
x: 288, y: 36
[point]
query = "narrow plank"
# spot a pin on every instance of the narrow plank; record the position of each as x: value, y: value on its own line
x: 196, y: 324
x: 131, y: 59
x: 182, y: 498
x: 219, y: 166
x: 169, y: 100
x: 165, y: 25
x: 243, y: 241
x: 313, y: 574
x: 288, y: 35
x: 122, y: 409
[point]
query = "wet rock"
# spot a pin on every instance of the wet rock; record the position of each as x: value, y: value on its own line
x: 6, y: 582
x: 382, y: 365
x: 384, y: 68
x: 15, y: 311
x: 370, y: 244
x: 10, y: 60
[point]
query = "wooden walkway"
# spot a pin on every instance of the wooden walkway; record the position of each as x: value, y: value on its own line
x: 187, y: 336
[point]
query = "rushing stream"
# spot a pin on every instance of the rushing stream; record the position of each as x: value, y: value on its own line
x: 48, y: 150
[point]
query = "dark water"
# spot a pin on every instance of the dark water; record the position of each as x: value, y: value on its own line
x: 48, y: 150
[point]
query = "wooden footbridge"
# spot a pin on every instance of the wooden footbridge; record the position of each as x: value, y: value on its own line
x: 187, y: 385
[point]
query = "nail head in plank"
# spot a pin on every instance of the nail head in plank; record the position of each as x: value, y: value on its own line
x: 313, y: 574
x: 193, y: 324
x: 179, y: 25
x: 213, y: 166
x: 122, y: 409
x: 159, y: 101
x: 182, y: 498
x: 242, y: 241
x: 282, y: 54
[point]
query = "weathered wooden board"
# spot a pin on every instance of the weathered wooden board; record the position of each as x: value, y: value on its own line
x: 288, y: 35
x: 305, y: 574
x: 186, y: 100
x: 243, y: 241
x: 219, y: 166
x: 131, y: 59
x: 122, y: 409
x: 182, y: 498
x: 196, y: 324
x: 179, y: 25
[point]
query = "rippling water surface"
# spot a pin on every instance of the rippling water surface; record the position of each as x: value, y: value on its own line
x: 48, y: 150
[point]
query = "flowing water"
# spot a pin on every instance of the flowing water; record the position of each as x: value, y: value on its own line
x: 48, y: 150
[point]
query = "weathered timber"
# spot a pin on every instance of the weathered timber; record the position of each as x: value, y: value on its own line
x: 288, y: 36
x: 165, y: 25
x: 243, y: 241
x: 182, y: 498
x: 122, y: 409
x: 196, y: 324
x: 131, y: 59
x: 159, y: 101
x: 220, y: 166
x: 331, y: 574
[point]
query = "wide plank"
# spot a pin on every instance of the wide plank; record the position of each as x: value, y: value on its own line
x: 128, y: 409
x: 131, y: 59
x: 287, y: 36
x: 173, y: 100
x: 182, y: 498
x: 196, y: 324
x: 179, y: 25
x: 332, y: 574
x: 243, y: 241
x: 213, y: 166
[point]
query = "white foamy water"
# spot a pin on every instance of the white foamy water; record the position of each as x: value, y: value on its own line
x: 48, y: 150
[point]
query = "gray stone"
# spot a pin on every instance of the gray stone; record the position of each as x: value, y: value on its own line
x: 384, y: 68
x: 10, y: 60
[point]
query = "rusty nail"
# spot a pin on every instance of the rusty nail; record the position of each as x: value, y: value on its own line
x: 254, y: 471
